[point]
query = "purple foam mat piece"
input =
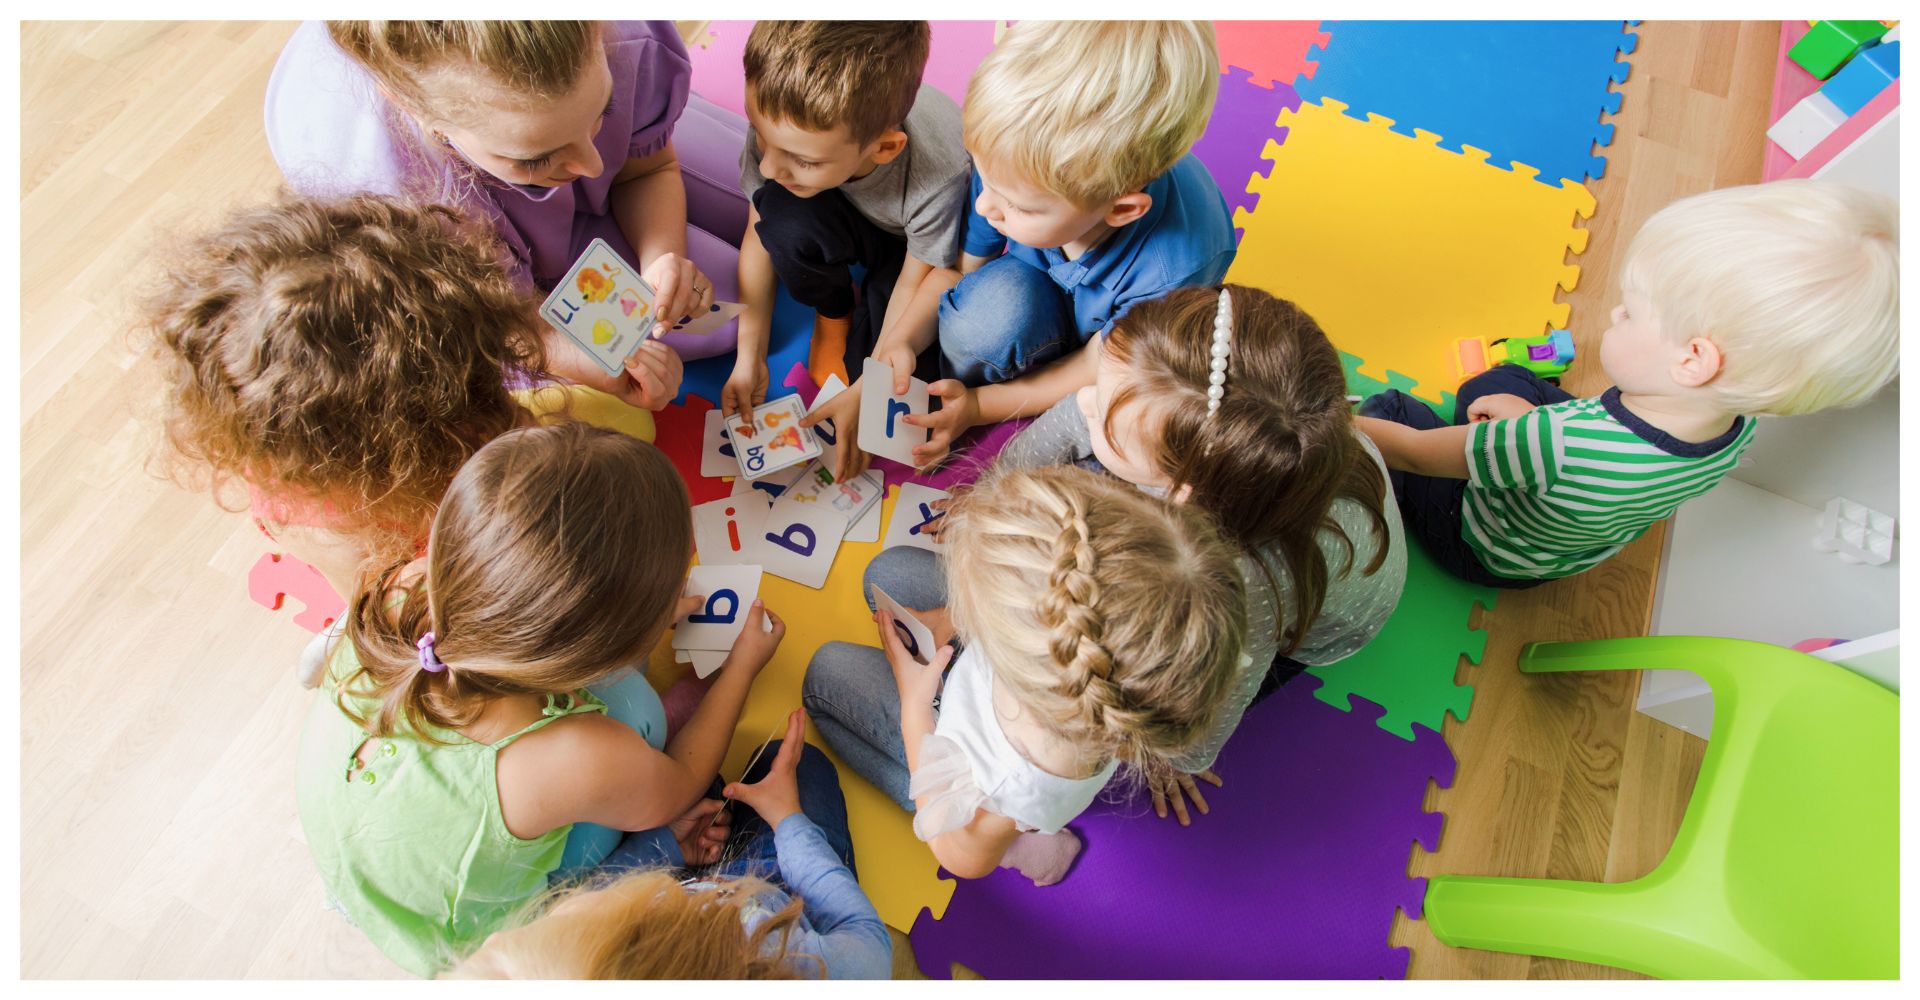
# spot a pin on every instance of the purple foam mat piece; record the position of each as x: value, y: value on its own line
x: 971, y: 454
x: 1244, y: 117
x: 1296, y: 873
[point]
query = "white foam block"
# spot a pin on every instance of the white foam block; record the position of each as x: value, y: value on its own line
x: 1806, y: 124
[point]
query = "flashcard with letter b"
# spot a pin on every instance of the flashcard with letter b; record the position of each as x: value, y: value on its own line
x: 799, y: 540
x: 728, y: 592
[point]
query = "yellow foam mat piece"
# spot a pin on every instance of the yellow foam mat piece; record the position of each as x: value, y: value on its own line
x: 1399, y: 248
x: 897, y: 870
x: 588, y: 405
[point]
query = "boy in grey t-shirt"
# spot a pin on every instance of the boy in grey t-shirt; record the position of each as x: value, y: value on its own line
x: 849, y: 160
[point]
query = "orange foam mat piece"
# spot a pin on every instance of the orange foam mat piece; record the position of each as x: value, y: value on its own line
x: 897, y: 870
x: 1399, y: 248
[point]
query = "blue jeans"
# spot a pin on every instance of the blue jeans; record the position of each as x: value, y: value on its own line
x: 849, y: 689
x: 1430, y: 506
x: 630, y: 699
x: 750, y: 848
x: 1005, y: 320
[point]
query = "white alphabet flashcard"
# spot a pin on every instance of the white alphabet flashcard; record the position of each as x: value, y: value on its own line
x: 867, y: 528
x: 798, y: 540
x: 913, y: 515
x: 827, y: 430
x: 850, y: 499
x: 716, y: 448
x: 726, y: 532
x: 727, y: 592
x: 914, y: 633
x: 769, y: 486
x: 706, y: 661
x: 769, y: 439
x: 883, y: 431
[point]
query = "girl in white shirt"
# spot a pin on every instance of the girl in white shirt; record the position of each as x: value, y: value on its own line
x: 1098, y: 626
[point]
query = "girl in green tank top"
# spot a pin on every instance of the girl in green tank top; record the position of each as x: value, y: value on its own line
x: 452, y: 746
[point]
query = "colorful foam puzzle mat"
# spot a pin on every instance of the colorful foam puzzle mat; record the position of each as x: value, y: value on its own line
x: 1295, y: 873
x: 1531, y: 92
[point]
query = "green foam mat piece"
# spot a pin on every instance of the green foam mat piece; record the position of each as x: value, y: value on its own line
x: 1409, y: 667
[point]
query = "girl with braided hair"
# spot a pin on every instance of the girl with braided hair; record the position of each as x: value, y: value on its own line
x: 1233, y: 401
x: 1097, y: 626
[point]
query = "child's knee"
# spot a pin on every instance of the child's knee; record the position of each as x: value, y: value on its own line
x: 1002, y: 320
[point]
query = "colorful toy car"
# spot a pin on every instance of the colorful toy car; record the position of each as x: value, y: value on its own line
x: 1547, y: 355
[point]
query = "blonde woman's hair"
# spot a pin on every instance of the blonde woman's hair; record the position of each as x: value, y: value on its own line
x: 1118, y: 618
x: 349, y: 352
x: 1092, y: 110
x: 643, y: 926
x: 557, y: 557
x: 1797, y: 282
x: 818, y: 75
x: 538, y: 60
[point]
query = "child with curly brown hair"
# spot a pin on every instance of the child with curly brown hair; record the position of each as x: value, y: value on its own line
x: 340, y: 360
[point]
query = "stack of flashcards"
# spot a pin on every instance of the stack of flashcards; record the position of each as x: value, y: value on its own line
x: 704, y: 637
x: 607, y: 308
x: 795, y: 536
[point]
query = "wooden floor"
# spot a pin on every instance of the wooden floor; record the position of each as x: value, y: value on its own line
x: 159, y: 836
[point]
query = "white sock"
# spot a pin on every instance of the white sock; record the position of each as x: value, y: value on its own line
x: 1042, y: 857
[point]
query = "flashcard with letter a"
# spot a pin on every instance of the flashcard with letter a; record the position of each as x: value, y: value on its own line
x: 770, y: 438
x: 913, y: 633
x: 799, y: 540
x: 728, y: 592
x: 726, y: 531
x: 882, y: 431
x: 913, y: 514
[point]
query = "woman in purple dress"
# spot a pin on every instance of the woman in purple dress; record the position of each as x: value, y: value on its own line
x: 556, y: 131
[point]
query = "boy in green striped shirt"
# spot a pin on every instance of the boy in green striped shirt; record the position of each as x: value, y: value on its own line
x: 1777, y: 299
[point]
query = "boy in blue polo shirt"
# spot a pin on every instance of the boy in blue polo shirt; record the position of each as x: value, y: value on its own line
x: 1086, y: 199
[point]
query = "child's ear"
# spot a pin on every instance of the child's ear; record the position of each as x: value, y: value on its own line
x: 890, y: 144
x: 1128, y: 208
x: 1698, y: 363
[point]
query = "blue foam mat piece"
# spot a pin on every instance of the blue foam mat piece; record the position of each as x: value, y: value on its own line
x: 1527, y: 91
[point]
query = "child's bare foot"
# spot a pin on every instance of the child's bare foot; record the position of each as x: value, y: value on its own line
x: 1043, y: 857
x: 828, y: 353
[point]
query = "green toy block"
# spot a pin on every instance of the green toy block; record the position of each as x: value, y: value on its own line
x: 1829, y: 44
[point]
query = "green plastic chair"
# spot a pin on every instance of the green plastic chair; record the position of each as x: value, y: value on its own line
x: 1787, y: 862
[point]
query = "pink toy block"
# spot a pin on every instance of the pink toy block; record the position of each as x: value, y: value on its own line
x: 276, y: 577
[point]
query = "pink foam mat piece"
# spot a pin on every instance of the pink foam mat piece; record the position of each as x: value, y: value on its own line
x: 1270, y: 51
x: 1296, y: 872
x: 275, y: 577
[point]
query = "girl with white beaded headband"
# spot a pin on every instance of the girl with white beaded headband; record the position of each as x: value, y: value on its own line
x: 1230, y: 400
x: 1099, y: 627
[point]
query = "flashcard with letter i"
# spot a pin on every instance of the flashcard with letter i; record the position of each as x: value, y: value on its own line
x: 770, y: 439
x: 726, y: 531
x: 883, y: 432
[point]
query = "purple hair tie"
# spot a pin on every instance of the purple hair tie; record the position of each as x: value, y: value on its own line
x: 429, y: 661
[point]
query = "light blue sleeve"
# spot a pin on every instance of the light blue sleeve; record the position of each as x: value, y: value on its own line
x: 845, y: 931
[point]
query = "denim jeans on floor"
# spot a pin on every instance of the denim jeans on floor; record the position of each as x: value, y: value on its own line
x: 1005, y: 320
x: 849, y: 689
x: 1430, y: 506
x: 750, y: 849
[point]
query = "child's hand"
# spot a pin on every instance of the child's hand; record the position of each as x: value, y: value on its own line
x: 1498, y: 406
x: 746, y: 388
x: 959, y: 410
x: 777, y: 796
x: 918, y: 682
x: 902, y: 360
x: 935, y: 531
x: 844, y: 410
x: 937, y: 621
x: 680, y: 291
x: 702, y: 831
x: 755, y: 644
x: 1177, y: 788
x: 652, y: 377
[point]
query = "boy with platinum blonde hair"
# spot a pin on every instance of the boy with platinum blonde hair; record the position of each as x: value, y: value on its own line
x: 1771, y: 299
x: 1086, y: 199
